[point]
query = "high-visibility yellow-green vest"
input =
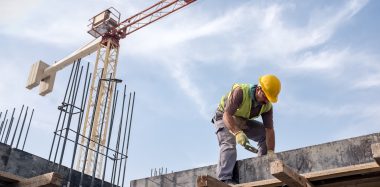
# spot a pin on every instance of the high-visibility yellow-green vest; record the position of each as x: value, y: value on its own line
x: 244, y: 109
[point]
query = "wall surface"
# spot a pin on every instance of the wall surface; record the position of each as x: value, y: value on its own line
x: 308, y: 159
x: 26, y: 165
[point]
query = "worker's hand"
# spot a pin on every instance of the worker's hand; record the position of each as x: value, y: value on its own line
x: 242, y: 139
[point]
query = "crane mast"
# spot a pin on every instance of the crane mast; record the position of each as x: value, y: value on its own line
x: 108, y: 30
x: 111, y: 31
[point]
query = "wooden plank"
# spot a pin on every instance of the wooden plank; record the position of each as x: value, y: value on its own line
x: 376, y: 152
x: 365, y: 182
x: 208, y: 181
x: 262, y: 183
x: 342, y: 171
x: 9, y: 177
x: 49, y: 179
x: 321, y: 175
x: 285, y: 174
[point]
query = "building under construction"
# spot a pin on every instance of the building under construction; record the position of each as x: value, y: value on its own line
x: 95, y: 118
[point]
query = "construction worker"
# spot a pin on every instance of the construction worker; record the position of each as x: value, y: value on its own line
x: 234, y: 122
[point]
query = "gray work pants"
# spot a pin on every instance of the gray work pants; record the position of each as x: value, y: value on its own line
x: 227, y: 156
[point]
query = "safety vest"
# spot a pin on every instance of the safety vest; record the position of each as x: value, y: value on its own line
x: 244, y: 109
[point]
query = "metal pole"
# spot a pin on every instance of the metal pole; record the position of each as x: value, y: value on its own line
x: 5, y: 126
x: 101, y: 131
x: 90, y: 132
x: 125, y: 134
x: 64, y: 116
x: 27, y: 131
x: 14, y: 134
x: 10, y: 127
x: 114, y: 167
x: 109, y: 136
x: 121, y: 118
x: 129, y: 134
x: 84, y: 100
x: 2, y: 123
x: 72, y: 104
x: 60, y: 113
x: 22, y: 126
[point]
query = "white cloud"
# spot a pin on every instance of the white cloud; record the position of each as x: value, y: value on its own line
x: 14, y: 11
x: 183, y: 78
x: 366, y: 82
x: 325, y: 60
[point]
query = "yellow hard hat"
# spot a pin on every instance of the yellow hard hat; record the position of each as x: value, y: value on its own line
x: 271, y: 86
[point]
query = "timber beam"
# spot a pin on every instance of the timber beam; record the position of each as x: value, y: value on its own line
x: 208, y: 181
x: 376, y: 152
x: 49, y: 179
x: 285, y: 174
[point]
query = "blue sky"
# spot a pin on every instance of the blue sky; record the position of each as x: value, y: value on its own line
x: 326, y: 54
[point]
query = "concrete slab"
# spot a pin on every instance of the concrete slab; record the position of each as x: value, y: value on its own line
x: 315, y: 158
x: 26, y: 165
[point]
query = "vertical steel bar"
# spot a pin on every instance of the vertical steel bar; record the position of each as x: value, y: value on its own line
x: 129, y: 134
x: 19, y: 117
x: 116, y: 156
x: 5, y: 126
x: 101, y: 131
x: 22, y: 126
x: 90, y: 132
x: 1, y: 113
x: 72, y: 106
x: 109, y: 135
x: 64, y: 103
x: 125, y: 134
x: 113, y: 175
x: 27, y: 131
x: 2, y: 123
x: 10, y: 127
x: 84, y: 100
x: 60, y: 113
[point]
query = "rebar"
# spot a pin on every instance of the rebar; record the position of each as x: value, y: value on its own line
x: 2, y: 123
x: 109, y: 136
x: 9, y: 127
x: 66, y: 106
x: 90, y: 132
x: 5, y: 127
x: 125, y: 133
x: 129, y: 135
x: 101, y: 131
x: 22, y: 126
x: 75, y: 94
x: 27, y: 131
x: 60, y: 113
x: 83, y: 104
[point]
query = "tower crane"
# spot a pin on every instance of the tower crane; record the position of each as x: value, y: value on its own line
x: 108, y: 30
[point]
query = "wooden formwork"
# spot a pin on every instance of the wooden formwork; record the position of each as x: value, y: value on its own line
x: 360, y: 175
x: 49, y: 179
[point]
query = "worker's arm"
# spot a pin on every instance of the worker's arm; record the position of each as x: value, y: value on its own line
x: 269, y: 129
x: 230, y: 123
x: 233, y: 102
x: 270, y: 138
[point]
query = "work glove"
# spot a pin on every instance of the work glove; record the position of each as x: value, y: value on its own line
x: 242, y: 139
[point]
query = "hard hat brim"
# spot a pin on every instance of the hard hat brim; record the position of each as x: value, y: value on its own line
x: 271, y: 99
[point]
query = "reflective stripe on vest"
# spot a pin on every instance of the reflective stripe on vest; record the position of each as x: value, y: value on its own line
x: 244, y: 109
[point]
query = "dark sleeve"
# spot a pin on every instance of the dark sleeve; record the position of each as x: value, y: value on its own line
x: 268, y: 118
x: 234, y: 101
